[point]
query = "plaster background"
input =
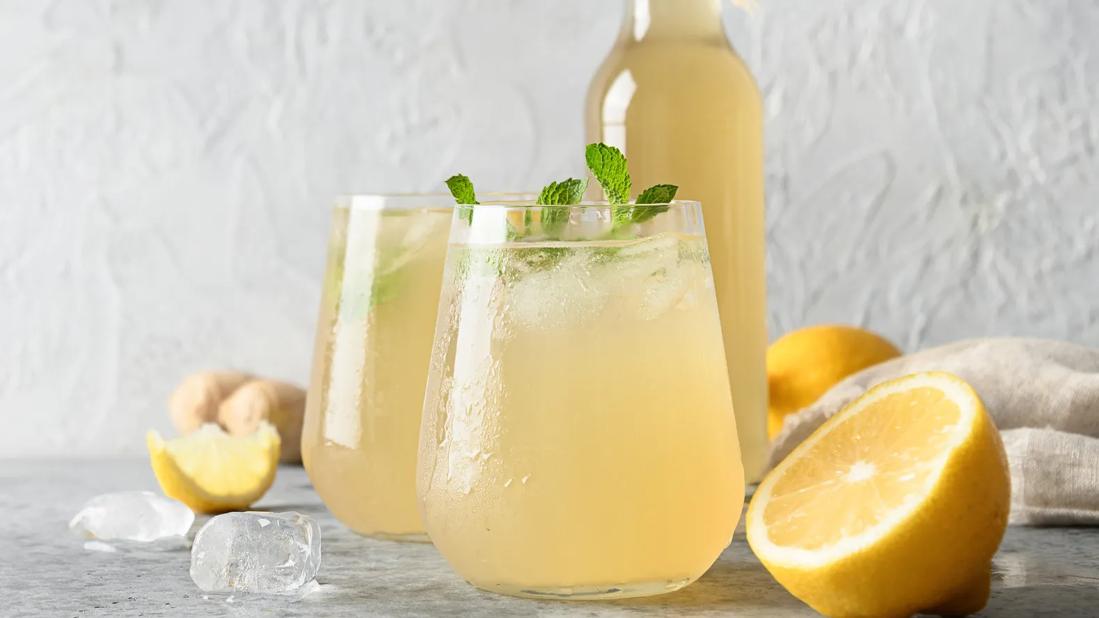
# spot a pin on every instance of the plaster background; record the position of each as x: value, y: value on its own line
x: 166, y: 169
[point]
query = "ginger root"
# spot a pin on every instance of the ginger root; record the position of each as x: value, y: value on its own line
x: 195, y: 401
x: 239, y: 402
x: 279, y: 403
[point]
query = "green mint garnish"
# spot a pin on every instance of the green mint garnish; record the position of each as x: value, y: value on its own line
x: 384, y: 287
x: 564, y: 193
x: 608, y: 165
x: 352, y: 304
x: 658, y: 195
x: 461, y: 187
x: 650, y: 203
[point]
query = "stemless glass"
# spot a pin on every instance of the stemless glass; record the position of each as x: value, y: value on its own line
x: 578, y: 438
x: 373, y: 342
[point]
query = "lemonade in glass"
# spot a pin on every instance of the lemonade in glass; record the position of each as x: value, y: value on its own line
x: 373, y: 342
x: 578, y: 438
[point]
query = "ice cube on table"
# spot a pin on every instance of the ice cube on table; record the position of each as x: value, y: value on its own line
x: 141, y: 516
x: 256, y: 552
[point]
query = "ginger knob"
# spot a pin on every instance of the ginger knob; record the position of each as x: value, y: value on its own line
x: 281, y: 404
x: 196, y: 399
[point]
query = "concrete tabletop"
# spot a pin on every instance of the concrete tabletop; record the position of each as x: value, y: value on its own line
x: 46, y: 572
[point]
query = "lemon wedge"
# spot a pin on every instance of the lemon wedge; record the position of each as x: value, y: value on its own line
x: 893, y: 506
x: 213, y: 472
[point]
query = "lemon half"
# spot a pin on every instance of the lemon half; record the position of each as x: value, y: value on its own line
x: 213, y: 472
x: 893, y: 506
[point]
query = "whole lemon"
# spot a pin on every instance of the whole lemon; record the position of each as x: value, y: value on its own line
x: 802, y: 365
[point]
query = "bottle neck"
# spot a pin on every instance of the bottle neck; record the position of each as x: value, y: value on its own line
x: 686, y: 20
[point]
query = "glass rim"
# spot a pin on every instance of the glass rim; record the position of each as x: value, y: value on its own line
x: 431, y: 200
x: 529, y: 204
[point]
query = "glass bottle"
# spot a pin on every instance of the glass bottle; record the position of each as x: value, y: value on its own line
x: 676, y: 98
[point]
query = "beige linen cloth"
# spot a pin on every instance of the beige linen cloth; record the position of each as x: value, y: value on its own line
x: 1044, y: 397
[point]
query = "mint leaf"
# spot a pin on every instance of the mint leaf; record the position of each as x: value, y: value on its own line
x: 461, y: 187
x: 384, y: 287
x: 650, y: 203
x: 608, y: 165
x: 657, y: 194
x: 564, y: 193
x: 621, y: 216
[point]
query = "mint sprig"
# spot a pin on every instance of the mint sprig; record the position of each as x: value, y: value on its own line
x: 461, y: 187
x: 610, y: 168
x: 608, y: 165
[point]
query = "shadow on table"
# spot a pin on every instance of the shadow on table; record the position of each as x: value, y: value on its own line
x: 727, y: 584
x: 1044, y: 600
x: 306, y: 509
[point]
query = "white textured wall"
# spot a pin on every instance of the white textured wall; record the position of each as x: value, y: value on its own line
x: 166, y: 169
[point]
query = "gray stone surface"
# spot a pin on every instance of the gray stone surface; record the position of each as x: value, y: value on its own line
x: 45, y: 572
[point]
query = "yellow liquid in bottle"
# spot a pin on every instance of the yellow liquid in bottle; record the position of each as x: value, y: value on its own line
x: 674, y: 96
x: 373, y: 345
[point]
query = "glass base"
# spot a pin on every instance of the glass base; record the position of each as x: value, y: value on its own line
x: 588, y: 593
x: 411, y: 537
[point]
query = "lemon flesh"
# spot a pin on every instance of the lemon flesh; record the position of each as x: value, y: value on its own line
x: 213, y: 472
x: 893, y: 506
x: 802, y: 365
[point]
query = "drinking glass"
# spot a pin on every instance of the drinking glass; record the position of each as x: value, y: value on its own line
x: 373, y: 342
x: 578, y: 438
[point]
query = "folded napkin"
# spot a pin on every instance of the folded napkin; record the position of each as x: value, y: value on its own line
x: 1043, y: 396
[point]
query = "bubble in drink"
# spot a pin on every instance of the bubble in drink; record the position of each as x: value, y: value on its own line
x: 140, y: 516
x: 275, y: 553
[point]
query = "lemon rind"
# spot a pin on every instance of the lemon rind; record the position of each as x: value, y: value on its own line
x: 195, y: 493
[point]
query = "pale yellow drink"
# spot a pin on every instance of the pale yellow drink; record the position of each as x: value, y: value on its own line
x: 370, y: 364
x: 676, y: 99
x: 578, y: 436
